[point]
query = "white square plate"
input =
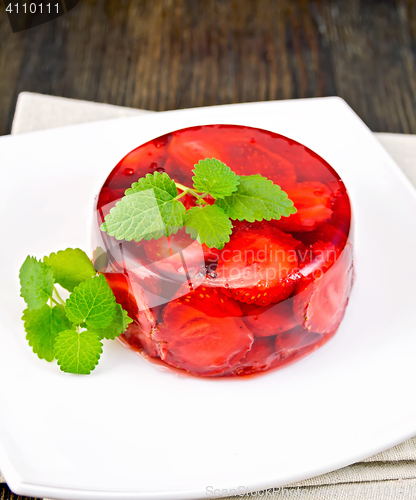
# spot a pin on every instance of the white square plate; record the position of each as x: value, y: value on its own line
x: 133, y: 431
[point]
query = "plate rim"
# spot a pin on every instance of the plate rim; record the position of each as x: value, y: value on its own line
x: 23, y: 487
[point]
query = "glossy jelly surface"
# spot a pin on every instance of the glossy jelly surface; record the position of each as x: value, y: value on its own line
x: 277, y: 291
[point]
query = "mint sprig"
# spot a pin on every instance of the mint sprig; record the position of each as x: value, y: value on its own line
x: 70, y: 267
x: 42, y: 327
x: 92, y: 303
x: 117, y: 326
x: 78, y: 352
x: 36, y: 282
x: 151, y: 208
x: 56, y: 329
x: 72, y: 332
x: 257, y: 198
x: 209, y: 225
x: 214, y: 177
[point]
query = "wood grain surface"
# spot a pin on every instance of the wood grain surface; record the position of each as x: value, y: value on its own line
x: 168, y: 54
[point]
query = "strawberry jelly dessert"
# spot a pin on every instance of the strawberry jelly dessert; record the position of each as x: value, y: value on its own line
x: 276, y: 291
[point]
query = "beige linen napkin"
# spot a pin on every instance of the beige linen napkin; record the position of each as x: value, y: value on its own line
x: 38, y: 112
x: 387, y: 475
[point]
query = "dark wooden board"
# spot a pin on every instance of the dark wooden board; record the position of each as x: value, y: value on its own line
x: 167, y: 54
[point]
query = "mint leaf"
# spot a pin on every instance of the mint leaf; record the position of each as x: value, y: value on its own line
x: 214, y: 177
x: 209, y: 224
x: 93, y: 302
x: 163, y: 186
x: 149, y: 210
x: 117, y: 326
x: 70, y: 267
x: 257, y: 198
x: 78, y: 352
x: 36, y: 282
x: 42, y: 327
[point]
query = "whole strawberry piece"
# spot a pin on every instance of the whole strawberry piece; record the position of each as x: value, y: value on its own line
x: 258, y: 265
x: 203, y: 333
x: 270, y: 320
x: 259, y: 358
x: 321, y: 306
x: 313, y: 203
x: 132, y: 297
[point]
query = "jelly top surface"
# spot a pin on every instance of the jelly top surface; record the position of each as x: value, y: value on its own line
x: 321, y: 225
x: 245, y: 150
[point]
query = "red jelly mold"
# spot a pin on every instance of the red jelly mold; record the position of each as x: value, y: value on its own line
x: 277, y: 291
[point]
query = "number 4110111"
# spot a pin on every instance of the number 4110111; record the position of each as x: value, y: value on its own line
x: 32, y: 8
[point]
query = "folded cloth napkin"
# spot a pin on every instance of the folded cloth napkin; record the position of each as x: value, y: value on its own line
x: 38, y: 112
x: 387, y: 475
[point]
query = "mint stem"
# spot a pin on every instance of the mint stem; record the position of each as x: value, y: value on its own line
x: 180, y: 195
x: 186, y: 190
x: 55, y: 302
x: 58, y: 296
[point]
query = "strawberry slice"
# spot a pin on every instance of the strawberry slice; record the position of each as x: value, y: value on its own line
x: 321, y: 306
x: 288, y: 343
x: 178, y: 259
x: 209, y: 300
x: 203, y: 333
x: 137, y: 336
x: 129, y: 259
x: 313, y: 203
x: 123, y: 292
x: 132, y: 298
x: 258, y: 265
x: 166, y: 252
x: 341, y: 206
x: 308, y: 165
x: 246, y: 151
x: 249, y: 156
x: 260, y: 357
x: 319, y: 258
x: 320, y: 249
x: 272, y: 352
x: 270, y: 320
x: 179, y: 172
x: 325, y: 233
x: 189, y: 146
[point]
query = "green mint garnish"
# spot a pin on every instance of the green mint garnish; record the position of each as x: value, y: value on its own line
x: 209, y: 224
x: 36, y: 282
x: 78, y: 352
x: 55, y: 330
x: 151, y: 207
x: 148, y: 210
x: 257, y: 198
x: 70, y: 267
x: 92, y: 303
x: 117, y: 326
x: 42, y: 327
x: 72, y: 332
x: 214, y: 177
